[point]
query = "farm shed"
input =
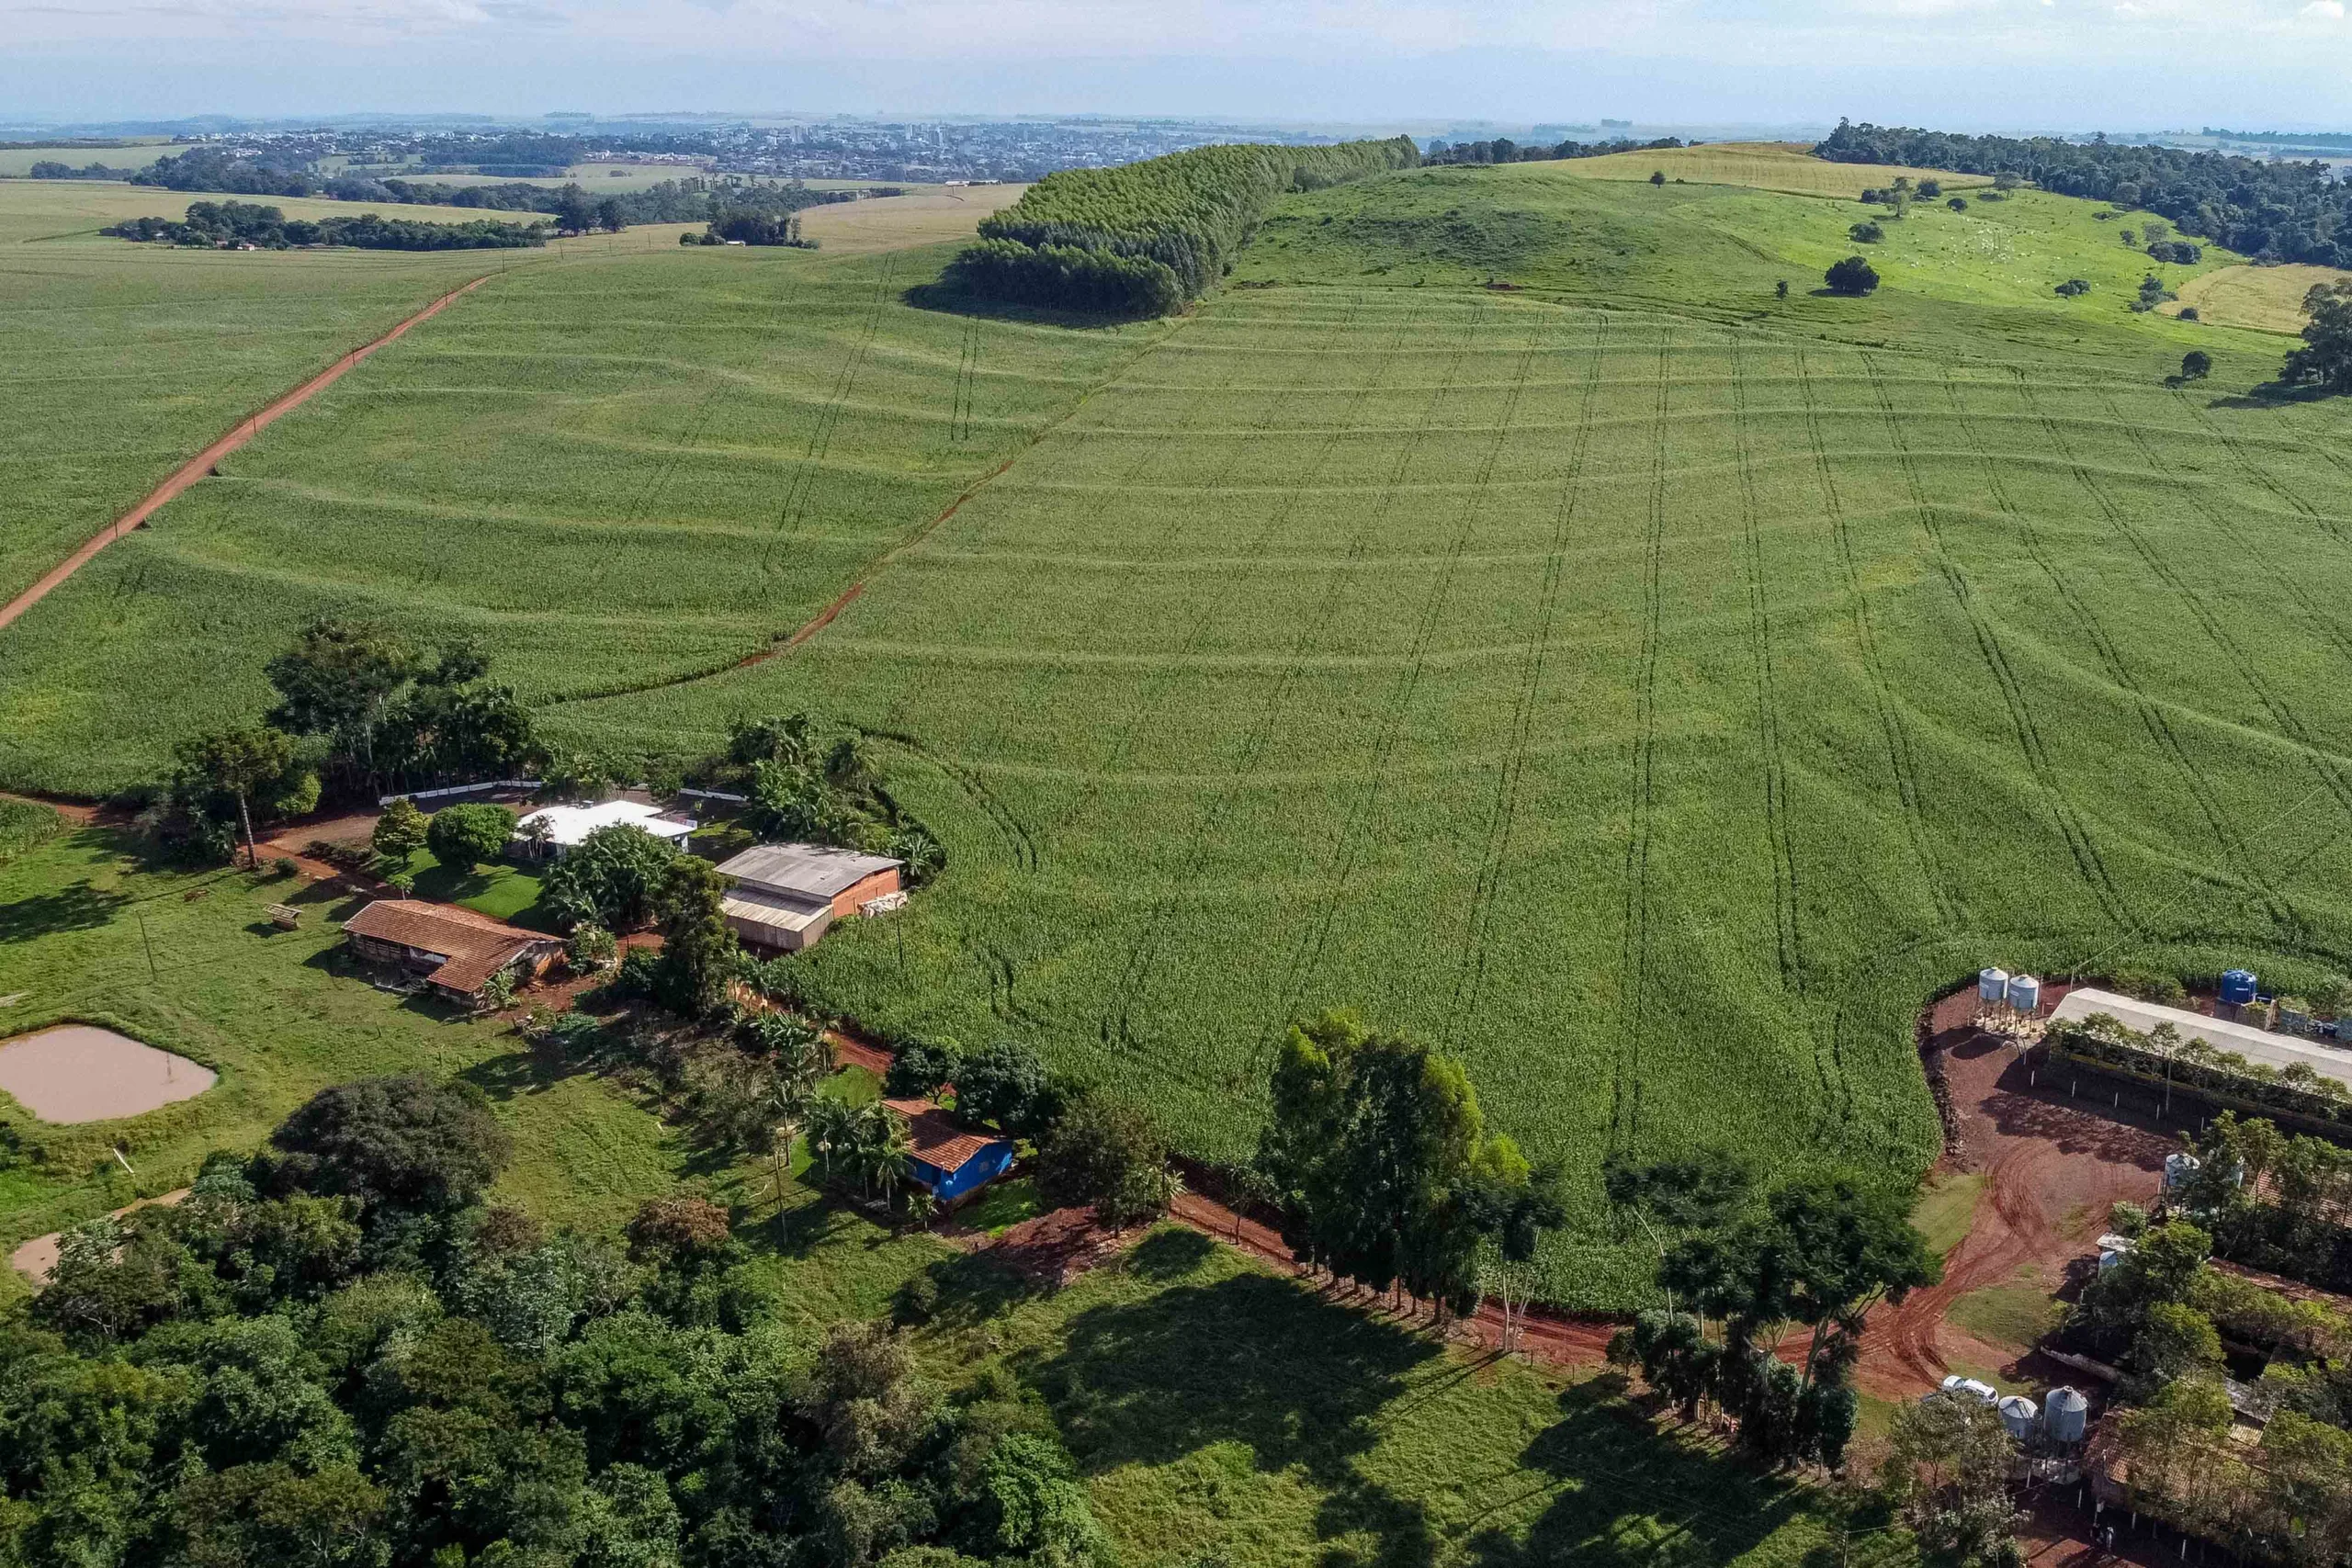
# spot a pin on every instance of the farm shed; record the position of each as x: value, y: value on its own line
x: 569, y: 825
x: 456, y: 951
x: 2253, y: 1044
x: 946, y: 1161
x: 785, y: 896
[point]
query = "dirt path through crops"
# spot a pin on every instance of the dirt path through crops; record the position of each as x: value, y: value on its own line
x: 196, y: 467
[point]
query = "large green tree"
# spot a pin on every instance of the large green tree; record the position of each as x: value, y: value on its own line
x: 2326, y: 360
x: 245, y: 764
x: 1379, y: 1154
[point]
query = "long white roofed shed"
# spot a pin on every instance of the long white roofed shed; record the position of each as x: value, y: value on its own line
x: 2253, y: 1044
x: 569, y: 825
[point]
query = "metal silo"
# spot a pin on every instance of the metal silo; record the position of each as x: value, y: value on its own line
x: 2019, y: 1416
x: 2025, y: 993
x: 2066, y: 1416
x: 1992, y: 986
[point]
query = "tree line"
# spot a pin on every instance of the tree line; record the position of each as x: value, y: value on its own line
x: 2272, y: 212
x: 1145, y: 239
x: 216, y: 225
x: 339, y: 1351
x: 693, y: 199
x: 1503, y: 150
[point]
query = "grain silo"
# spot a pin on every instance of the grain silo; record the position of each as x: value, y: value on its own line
x: 1992, y: 986
x: 2066, y: 1416
x: 2025, y: 993
x: 2019, y: 1416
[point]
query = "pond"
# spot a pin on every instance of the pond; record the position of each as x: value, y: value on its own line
x: 78, y: 1072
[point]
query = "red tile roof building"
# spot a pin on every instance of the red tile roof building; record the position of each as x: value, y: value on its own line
x: 455, y: 949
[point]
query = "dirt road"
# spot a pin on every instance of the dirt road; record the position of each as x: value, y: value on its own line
x: 196, y: 467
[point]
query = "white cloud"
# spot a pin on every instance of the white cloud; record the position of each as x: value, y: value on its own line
x: 2325, y: 10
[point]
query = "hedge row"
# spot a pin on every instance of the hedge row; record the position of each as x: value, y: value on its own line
x: 1145, y: 237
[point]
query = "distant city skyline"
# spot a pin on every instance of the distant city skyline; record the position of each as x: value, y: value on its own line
x: 1966, y: 64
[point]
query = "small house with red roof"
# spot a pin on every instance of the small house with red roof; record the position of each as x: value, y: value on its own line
x: 454, y: 950
x: 946, y: 1161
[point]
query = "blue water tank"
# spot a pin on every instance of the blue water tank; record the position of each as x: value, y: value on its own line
x: 2237, y: 987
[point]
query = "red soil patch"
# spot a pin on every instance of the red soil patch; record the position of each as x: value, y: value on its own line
x: 196, y: 467
x: 2052, y: 1168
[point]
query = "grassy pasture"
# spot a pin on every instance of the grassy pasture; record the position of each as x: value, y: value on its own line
x: 2266, y: 299
x: 192, y: 963
x: 929, y: 216
x: 1650, y: 688
x: 128, y: 152
x: 1781, y: 166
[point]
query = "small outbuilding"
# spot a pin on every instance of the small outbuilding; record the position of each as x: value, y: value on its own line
x: 945, y: 1160
x: 785, y: 896
x: 454, y: 950
x: 568, y: 827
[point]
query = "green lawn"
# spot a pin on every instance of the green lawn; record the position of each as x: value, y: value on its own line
x: 1946, y: 1208
x: 1221, y: 1413
x: 1650, y: 688
x: 192, y: 963
x: 2014, y: 1316
x: 504, y: 891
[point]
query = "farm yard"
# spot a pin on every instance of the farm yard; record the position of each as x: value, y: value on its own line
x: 1651, y: 688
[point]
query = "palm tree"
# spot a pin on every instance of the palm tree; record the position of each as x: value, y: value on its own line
x: 832, y: 1126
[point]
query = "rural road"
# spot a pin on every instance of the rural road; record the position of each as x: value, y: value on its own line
x: 196, y: 467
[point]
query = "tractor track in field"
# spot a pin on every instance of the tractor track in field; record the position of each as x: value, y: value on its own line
x: 2023, y: 724
x: 1899, y: 760
x: 1469, y: 983
x: 2219, y: 517
x: 794, y: 508
x: 1634, y: 958
x: 2281, y: 714
x: 2153, y: 717
x: 1788, y: 929
x: 1163, y: 677
x: 185, y: 476
x: 1145, y: 952
x: 1349, y: 848
x: 849, y: 596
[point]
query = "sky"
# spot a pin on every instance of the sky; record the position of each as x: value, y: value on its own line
x: 1961, y: 65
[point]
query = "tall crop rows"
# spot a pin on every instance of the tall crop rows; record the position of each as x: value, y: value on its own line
x: 1145, y: 237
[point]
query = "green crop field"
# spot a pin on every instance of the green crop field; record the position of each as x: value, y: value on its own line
x: 123, y: 361
x: 1497, y: 610
x: 1767, y: 165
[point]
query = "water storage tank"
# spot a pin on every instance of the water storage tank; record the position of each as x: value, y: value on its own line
x: 2179, y: 1167
x: 2019, y: 1417
x: 2108, y: 1256
x: 1992, y: 986
x: 2025, y: 993
x: 2237, y: 987
x: 2067, y: 1416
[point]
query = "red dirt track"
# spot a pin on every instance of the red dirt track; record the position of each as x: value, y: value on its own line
x: 196, y: 467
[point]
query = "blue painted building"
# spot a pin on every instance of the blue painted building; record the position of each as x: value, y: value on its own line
x: 945, y: 1160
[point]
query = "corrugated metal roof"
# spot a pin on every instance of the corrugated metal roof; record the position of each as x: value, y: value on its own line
x: 817, y: 871
x: 2254, y: 1045
x: 770, y: 909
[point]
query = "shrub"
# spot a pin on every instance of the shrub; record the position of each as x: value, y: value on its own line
x: 399, y: 831
x: 1958, y: 203
x: 2196, y: 365
x: 610, y: 877
x: 921, y: 1068
x: 1866, y: 233
x: 591, y: 948
x: 465, y: 837
x: 2073, y: 287
x: 1852, y: 276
